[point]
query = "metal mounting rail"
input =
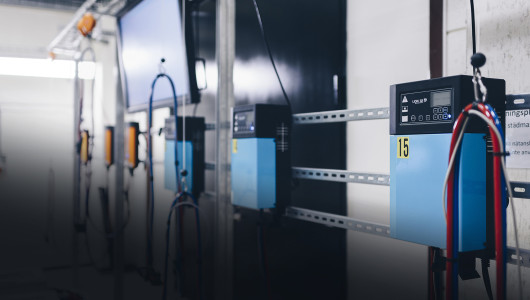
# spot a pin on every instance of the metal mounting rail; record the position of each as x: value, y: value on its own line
x: 341, y: 116
x: 511, y: 258
x: 209, y: 166
x: 375, y: 229
x: 340, y: 176
x: 520, y: 189
x: 337, y: 221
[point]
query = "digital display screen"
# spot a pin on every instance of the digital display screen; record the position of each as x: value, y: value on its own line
x: 150, y: 31
x: 442, y: 98
x: 244, y: 121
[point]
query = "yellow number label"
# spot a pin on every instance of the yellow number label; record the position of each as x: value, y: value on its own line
x: 234, y: 146
x: 403, y: 147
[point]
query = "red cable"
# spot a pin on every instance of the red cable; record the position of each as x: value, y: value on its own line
x: 499, y: 228
x: 450, y: 229
x: 497, y: 191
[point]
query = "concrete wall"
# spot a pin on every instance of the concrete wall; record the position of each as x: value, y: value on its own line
x: 388, y: 43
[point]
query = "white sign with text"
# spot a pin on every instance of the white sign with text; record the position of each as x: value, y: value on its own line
x: 518, y: 138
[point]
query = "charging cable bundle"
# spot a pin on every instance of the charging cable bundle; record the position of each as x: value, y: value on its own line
x: 180, y: 198
x: 486, y: 113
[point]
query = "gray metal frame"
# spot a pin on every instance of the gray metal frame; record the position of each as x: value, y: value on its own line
x: 76, y: 197
x: 119, y: 152
x: 223, y: 237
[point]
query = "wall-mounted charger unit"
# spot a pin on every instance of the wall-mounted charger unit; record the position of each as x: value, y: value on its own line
x: 192, y: 148
x: 422, y: 115
x: 261, y: 156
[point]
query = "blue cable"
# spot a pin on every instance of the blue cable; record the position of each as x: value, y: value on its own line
x: 498, y: 124
x: 175, y: 201
x: 150, y: 154
x: 456, y: 224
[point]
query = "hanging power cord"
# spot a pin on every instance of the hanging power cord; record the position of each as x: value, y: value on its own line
x: 435, y: 269
x: 149, y: 250
x: 108, y: 234
x: 184, y: 172
x: 262, y: 30
x: 2, y: 155
x: 178, y: 203
x: 498, y: 134
x: 485, y: 112
x: 50, y: 219
x: 90, y: 141
x: 473, y: 35
x: 88, y: 167
x: 485, y: 263
x: 262, y: 255
x: 90, y: 137
x: 195, y: 109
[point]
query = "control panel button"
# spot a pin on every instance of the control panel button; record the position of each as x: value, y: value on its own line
x: 420, y: 118
x: 440, y: 116
x: 445, y: 109
x: 435, y: 117
x: 427, y: 117
x: 435, y: 110
x: 405, y: 109
x: 413, y: 118
x: 404, y: 119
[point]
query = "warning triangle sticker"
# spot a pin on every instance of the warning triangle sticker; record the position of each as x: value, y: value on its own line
x: 405, y: 100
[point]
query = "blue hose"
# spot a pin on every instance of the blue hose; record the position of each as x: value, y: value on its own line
x: 150, y: 154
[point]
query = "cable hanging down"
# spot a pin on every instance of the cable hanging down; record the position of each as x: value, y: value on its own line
x: 181, y: 194
x: 264, y: 37
x: 485, y: 112
x: 149, y: 250
x: 178, y: 203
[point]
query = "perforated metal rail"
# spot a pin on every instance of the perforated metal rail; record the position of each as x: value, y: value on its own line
x: 511, y: 258
x: 337, y: 221
x: 341, y: 116
x: 340, y: 176
x: 376, y: 229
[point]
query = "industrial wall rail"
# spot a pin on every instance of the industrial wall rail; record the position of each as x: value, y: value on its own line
x: 520, y: 189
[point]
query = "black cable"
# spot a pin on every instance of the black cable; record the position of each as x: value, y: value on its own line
x: 270, y: 54
x: 50, y: 217
x: 486, y: 277
x: 124, y: 225
x: 177, y: 203
x: 473, y: 37
x: 195, y: 109
x: 263, y: 256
